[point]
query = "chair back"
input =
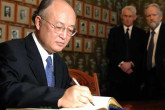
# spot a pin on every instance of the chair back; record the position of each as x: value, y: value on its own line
x: 86, y: 80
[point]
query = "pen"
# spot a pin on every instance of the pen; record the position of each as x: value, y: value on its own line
x: 76, y: 82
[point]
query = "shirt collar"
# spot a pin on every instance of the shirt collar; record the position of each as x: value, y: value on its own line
x: 130, y: 28
x: 44, y: 54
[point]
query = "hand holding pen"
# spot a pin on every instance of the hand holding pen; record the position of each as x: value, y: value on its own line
x: 76, y: 82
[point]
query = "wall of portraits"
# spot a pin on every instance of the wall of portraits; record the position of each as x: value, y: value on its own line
x: 86, y: 50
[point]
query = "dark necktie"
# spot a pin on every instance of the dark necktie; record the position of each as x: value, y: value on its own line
x: 150, y: 51
x: 127, y: 44
x: 49, y: 72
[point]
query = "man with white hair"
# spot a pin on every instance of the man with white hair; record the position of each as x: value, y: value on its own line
x: 155, y: 54
x: 125, y: 51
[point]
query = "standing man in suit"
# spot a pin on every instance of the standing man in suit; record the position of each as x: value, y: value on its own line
x: 32, y: 75
x: 155, y: 54
x: 125, y: 51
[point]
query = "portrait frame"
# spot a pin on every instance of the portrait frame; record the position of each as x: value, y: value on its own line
x: 70, y: 2
x: 78, y: 44
x: 87, y: 10
x: 23, y: 14
x: 3, y: 32
x: 92, y: 29
x: 88, y: 45
x: 69, y: 46
x: 17, y: 30
x: 105, y: 15
x: 32, y: 2
x: 113, y: 17
x: 97, y: 13
x: 101, y: 30
x: 83, y: 26
x: 7, y: 11
x: 27, y: 31
x: 78, y: 7
x: 108, y: 28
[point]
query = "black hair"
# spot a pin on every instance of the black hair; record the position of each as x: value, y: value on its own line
x: 43, y: 5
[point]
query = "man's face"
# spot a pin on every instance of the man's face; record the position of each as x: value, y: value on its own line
x: 153, y: 17
x: 51, y: 40
x: 128, y: 18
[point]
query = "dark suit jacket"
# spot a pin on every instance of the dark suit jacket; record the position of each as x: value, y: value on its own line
x: 159, y: 57
x: 22, y: 76
x: 116, y: 53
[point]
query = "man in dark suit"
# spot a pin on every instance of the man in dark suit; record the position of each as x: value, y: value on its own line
x: 155, y: 53
x: 125, y: 51
x: 28, y: 76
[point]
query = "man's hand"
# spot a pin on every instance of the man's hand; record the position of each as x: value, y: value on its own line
x: 75, y: 96
x: 126, y: 67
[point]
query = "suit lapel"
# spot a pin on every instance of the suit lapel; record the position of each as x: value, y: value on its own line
x: 36, y: 64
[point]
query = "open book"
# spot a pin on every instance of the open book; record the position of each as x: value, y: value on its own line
x: 100, y: 102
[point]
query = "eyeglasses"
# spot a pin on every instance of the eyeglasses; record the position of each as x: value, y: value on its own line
x: 60, y: 27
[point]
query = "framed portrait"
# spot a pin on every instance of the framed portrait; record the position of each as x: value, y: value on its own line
x: 7, y: 11
x: 69, y: 46
x: 77, y: 44
x: 23, y: 13
x: 31, y: 14
x: 14, y: 32
x: 97, y: 13
x: 83, y: 26
x: 101, y: 30
x: 88, y: 47
x: 70, y: 2
x: 87, y: 10
x: 78, y: 7
x: 105, y: 15
x: 108, y: 28
x: 27, y: 31
x: 32, y: 2
x: 3, y: 32
x: 92, y: 28
x: 113, y: 18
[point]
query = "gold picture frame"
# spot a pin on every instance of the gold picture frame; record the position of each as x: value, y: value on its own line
x: 113, y: 18
x: 108, y: 28
x: 83, y: 26
x: 32, y: 2
x: 97, y: 13
x: 23, y: 14
x: 88, y: 47
x: 78, y: 7
x: 101, y: 30
x: 78, y: 47
x: 3, y: 32
x: 87, y: 10
x: 14, y: 32
x: 92, y: 29
x: 105, y: 15
x: 7, y: 11
x: 69, y: 46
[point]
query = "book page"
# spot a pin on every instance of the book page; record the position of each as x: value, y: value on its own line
x: 100, y: 102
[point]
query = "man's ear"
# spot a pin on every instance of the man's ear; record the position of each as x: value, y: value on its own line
x: 38, y: 22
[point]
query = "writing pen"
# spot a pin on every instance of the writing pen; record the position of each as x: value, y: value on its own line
x: 76, y: 82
